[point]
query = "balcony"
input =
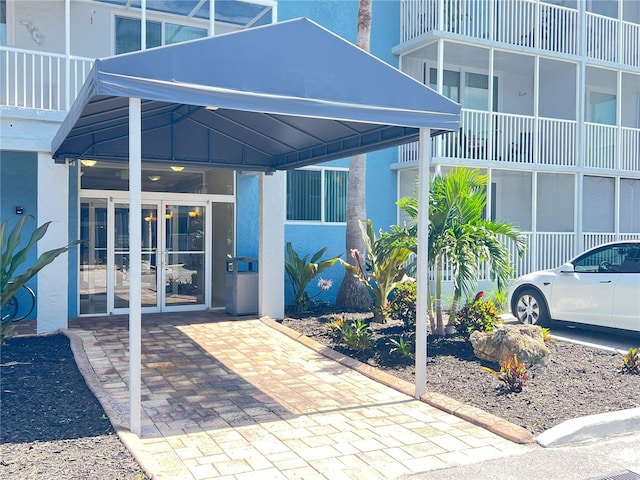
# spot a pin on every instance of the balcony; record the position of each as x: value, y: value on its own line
x: 524, y: 23
x: 526, y: 141
x: 39, y: 80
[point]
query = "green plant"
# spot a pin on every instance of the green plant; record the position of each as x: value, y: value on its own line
x: 631, y: 361
x: 357, y: 335
x: 385, y: 269
x: 401, y: 346
x: 460, y: 236
x: 403, y: 304
x: 302, y: 270
x: 477, y: 315
x: 13, y: 256
x: 546, y: 335
x: 512, y: 373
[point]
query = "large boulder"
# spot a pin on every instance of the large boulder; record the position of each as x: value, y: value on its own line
x: 500, y: 345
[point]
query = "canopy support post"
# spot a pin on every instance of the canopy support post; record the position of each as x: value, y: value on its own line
x: 135, y: 262
x: 422, y: 277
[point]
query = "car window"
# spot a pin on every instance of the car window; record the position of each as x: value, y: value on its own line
x: 631, y: 262
x: 603, y: 260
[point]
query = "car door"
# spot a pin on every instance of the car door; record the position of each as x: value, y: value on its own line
x: 626, y: 301
x: 587, y: 294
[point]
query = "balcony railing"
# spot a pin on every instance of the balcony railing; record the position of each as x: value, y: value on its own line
x: 38, y: 80
x: 525, y: 140
x: 545, y: 250
x: 524, y: 23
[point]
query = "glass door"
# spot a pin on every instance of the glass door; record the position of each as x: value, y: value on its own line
x: 184, y: 276
x: 121, y: 257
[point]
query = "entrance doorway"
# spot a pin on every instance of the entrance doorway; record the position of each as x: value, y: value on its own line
x: 183, y: 255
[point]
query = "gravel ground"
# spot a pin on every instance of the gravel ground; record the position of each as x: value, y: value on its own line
x: 577, y: 380
x: 51, y: 425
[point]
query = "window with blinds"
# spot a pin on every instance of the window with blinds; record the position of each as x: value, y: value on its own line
x: 317, y: 195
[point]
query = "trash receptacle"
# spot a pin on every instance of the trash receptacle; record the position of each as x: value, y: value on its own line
x: 242, y: 286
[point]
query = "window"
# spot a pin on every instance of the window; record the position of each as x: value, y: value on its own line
x: 450, y: 83
x: 607, y: 259
x: 158, y: 33
x: 602, y: 108
x: 317, y: 195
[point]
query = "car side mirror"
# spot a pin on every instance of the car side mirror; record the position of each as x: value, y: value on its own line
x: 567, y: 268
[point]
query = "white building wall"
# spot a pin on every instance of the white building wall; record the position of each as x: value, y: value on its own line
x: 53, y: 280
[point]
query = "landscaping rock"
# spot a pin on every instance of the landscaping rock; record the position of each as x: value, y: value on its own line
x: 500, y: 345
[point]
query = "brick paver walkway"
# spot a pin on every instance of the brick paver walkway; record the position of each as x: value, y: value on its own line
x: 236, y: 399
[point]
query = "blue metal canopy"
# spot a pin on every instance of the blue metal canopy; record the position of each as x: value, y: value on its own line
x: 275, y: 97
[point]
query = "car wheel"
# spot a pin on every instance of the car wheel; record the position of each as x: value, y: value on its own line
x: 529, y: 307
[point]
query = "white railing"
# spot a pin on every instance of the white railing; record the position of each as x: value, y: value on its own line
x: 630, y: 44
x: 526, y: 23
x: 630, y: 149
x: 602, y: 37
x: 600, y: 151
x: 557, y: 142
x: 514, y: 139
x: 38, y: 80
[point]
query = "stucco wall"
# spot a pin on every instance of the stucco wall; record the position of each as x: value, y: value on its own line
x: 18, y: 187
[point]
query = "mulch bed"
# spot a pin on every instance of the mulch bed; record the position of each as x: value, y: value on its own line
x: 576, y: 381
x: 52, y: 426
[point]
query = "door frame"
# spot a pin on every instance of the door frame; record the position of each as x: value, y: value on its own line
x: 159, y: 200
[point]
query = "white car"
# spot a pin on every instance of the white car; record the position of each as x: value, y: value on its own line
x: 600, y: 287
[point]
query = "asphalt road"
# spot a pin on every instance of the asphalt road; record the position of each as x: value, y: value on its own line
x: 613, y: 458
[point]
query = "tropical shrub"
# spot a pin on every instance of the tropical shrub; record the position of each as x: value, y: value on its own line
x: 385, y: 269
x: 631, y: 361
x: 477, y: 315
x: 403, y: 304
x: 512, y: 373
x: 401, y: 347
x: 13, y: 257
x: 355, y: 334
x: 302, y: 270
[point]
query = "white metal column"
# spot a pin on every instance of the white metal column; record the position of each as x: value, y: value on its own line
x: 424, y: 161
x: 271, y: 245
x: 135, y: 262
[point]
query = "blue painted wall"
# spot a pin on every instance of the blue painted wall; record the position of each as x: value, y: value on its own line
x: 19, y: 187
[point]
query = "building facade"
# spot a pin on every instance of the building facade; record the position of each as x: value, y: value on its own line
x: 550, y: 96
x: 558, y: 133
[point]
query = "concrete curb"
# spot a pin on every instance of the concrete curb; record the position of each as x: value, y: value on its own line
x: 591, y: 427
x: 497, y: 425
x: 111, y: 408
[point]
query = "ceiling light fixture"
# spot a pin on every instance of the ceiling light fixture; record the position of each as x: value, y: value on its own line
x: 177, y: 168
x: 88, y: 163
x: 154, y: 178
x: 212, y: 108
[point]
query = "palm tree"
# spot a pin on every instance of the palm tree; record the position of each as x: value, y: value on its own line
x: 352, y: 293
x: 459, y: 234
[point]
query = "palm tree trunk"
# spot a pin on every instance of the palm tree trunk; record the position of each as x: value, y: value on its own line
x: 352, y: 294
x: 438, y: 302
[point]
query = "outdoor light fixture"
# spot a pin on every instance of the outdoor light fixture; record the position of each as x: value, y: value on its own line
x: 177, y: 168
x: 88, y: 163
x: 212, y: 109
x: 193, y: 214
x: 154, y: 178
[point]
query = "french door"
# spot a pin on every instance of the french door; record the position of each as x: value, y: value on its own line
x: 176, y: 263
